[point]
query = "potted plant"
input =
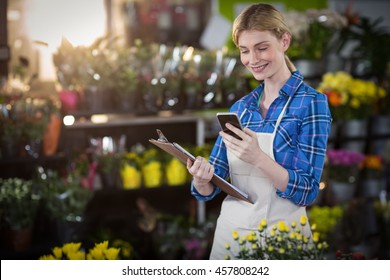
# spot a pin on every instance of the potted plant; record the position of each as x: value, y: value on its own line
x: 312, y: 31
x: 152, y: 168
x: 130, y: 170
x: 343, y: 168
x: 19, y: 202
x: 65, y: 200
x: 108, y: 166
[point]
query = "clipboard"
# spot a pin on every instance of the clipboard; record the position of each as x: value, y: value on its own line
x: 182, y: 154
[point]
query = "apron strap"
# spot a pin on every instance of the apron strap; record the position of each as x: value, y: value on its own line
x: 281, y: 115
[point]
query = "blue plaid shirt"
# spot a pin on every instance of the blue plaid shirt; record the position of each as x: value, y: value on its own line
x: 300, y: 142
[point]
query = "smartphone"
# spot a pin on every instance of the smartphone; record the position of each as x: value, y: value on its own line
x: 231, y: 118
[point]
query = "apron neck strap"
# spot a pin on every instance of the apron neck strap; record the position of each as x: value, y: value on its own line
x: 282, y: 114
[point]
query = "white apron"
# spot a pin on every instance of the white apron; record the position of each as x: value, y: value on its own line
x: 245, y: 217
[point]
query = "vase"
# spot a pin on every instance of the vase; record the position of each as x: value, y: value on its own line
x: 343, y: 192
x: 69, y: 100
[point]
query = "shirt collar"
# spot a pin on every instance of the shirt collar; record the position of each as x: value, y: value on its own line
x: 289, y: 88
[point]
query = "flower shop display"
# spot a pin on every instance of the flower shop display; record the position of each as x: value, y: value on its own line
x: 348, y: 97
x: 343, y: 168
x: 75, y: 251
x: 281, y: 242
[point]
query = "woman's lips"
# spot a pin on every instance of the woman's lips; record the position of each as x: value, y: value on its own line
x: 259, y: 69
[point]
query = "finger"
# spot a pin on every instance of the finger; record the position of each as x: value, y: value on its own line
x: 236, y: 130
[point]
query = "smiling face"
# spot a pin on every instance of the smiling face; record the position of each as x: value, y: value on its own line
x: 263, y: 54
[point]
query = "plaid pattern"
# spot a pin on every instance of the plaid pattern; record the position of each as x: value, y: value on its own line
x: 300, y: 142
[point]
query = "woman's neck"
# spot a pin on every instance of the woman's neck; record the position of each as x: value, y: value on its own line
x: 272, y: 86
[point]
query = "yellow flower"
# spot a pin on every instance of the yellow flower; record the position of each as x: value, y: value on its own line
x: 71, y: 248
x: 281, y: 251
x: 272, y: 233
x: 279, y: 238
x: 270, y: 248
x: 112, y: 253
x: 77, y: 255
x: 281, y: 226
x: 227, y: 246
x: 235, y: 235
x: 260, y: 228
x: 227, y: 257
x: 263, y: 222
x: 96, y: 254
x: 303, y: 220
x: 249, y: 237
x: 293, y: 224
x: 254, y: 246
x: 102, y: 245
x: 316, y: 236
x: 57, y: 252
x: 47, y: 258
x: 313, y: 227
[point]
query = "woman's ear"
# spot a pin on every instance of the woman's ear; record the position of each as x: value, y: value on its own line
x: 286, y: 39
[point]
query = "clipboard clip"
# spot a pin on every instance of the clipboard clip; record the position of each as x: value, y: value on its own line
x: 161, y: 136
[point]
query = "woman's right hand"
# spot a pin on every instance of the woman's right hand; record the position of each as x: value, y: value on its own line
x: 202, y: 171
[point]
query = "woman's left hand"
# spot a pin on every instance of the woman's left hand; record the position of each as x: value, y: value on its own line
x: 247, y: 149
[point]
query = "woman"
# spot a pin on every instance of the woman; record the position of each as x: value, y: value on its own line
x: 279, y: 160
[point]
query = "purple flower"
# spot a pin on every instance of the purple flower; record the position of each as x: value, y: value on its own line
x: 344, y: 157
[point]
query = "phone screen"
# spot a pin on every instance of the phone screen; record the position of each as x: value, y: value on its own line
x: 231, y: 118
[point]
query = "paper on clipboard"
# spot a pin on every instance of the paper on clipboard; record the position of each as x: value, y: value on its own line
x: 182, y: 154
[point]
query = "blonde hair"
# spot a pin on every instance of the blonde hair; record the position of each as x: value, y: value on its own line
x: 262, y: 17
